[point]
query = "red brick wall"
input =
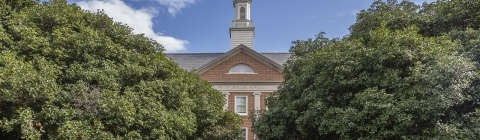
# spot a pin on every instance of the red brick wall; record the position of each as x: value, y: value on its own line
x: 264, y: 72
x: 250, y: 106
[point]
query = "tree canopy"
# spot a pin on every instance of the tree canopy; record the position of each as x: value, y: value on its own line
x: 405, y: 71
x: 67, y: 73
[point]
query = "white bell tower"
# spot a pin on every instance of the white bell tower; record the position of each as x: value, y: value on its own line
x: 242, y: 30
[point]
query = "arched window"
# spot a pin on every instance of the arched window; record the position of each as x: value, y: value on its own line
x: 241, y: 68
x: 242, y: 12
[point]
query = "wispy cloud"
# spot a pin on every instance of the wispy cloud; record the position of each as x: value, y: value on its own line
x: 344, y: 13
x: 175, y: 6
x: 421, y: 1
x: 340, y: 14
x: 139, y: 19
x: 354, y: 12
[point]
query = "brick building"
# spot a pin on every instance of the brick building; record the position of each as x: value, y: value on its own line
x: 244, y: 76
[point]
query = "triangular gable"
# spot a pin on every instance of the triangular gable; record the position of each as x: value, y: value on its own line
x: 236, y: 50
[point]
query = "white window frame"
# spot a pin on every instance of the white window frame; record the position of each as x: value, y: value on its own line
x: 246, y: 133
x: 244, y: 12
x: 231, y: 71
x: 246, y: 106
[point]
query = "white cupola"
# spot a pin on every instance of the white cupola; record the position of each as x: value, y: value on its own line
x: 242, y: 29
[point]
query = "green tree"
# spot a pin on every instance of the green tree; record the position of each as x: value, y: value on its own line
x: 433, y: 19
x: 448, y: 15
x: 395, y: 15
x: 398, y: 85
x: 458, y: 19
x: 405, y: 71
x: 67, y: 73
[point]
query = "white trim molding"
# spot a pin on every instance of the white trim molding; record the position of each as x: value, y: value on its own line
x: 246, y: 105
x: 241, y: 68
x: 257, y: 100
x: 227, y: 94
x: 249, y: 87
x: 246, y: 132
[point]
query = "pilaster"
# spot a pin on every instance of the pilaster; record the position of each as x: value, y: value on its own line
x: 257, y: 100
x: 226, y: 94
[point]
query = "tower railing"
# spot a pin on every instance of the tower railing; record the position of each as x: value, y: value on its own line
x: 242, y: 24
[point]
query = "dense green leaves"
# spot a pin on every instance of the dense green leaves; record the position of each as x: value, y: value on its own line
x: 398, y: 75
x: 66, y: 73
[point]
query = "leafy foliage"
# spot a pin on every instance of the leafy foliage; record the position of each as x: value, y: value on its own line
x: 66, y: 73
x: 404, y: 72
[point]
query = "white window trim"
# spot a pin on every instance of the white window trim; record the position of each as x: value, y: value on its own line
x: 246, y: 132
x: 244, y: 12
x: 246, y: 106
x: 240, y: 64
x: 241, y: 73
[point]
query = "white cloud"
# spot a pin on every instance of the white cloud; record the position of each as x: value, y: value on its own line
x: 174, y: 6
x: 354, y: 12
x: 340, y: 14
x: 139, y: 19
x: 344, y: 13
x: 420, y: 2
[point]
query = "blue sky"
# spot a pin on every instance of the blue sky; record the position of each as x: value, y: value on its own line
x: 198, y: 26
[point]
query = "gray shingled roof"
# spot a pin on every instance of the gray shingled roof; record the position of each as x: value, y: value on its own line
x: 189, y: 61
x: 280, y: 58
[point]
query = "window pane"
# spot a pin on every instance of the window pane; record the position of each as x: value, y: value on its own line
x: 243, y: 134
x: 241, y: 68
x: 241, y: 109
x: 241, y: 104
x: 241, y: 101
x: 242, y: 13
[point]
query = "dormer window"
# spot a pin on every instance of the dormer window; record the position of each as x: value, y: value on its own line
x: 242, y: 12
x: 241, y: 69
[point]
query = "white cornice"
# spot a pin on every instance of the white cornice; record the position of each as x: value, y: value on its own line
x: 246, y: 82
x: 245, y: 88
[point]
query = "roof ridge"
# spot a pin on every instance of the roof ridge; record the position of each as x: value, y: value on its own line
x: 226, y: 52
x: 196, y: 53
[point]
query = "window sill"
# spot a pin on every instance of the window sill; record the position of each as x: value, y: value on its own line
x: 242, y: 114
x: 241, y: 73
